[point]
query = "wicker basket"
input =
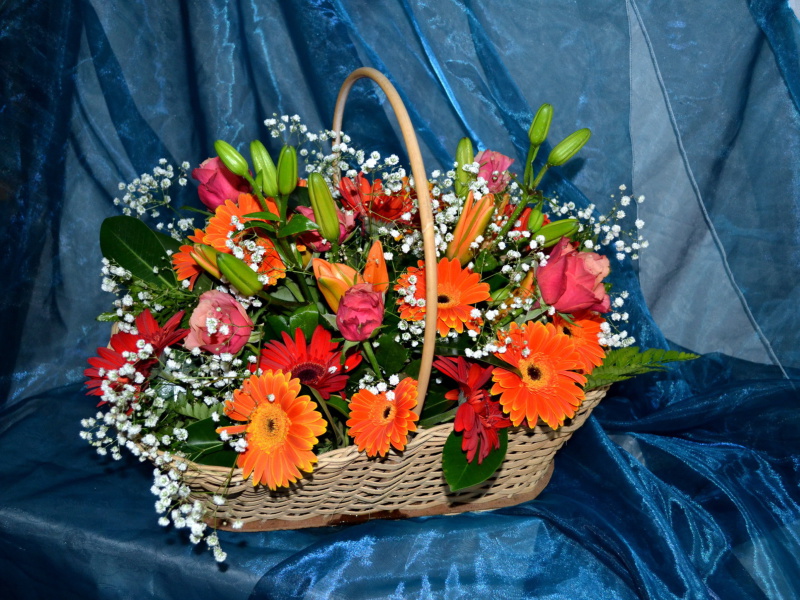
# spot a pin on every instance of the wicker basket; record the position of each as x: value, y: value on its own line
x: 347, y: 486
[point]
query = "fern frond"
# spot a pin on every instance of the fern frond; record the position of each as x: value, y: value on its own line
x: 624, y: 363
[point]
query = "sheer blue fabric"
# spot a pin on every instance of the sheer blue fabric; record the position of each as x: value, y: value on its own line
x: 683, y: 484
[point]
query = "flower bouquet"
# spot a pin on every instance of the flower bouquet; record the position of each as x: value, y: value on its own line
x: 360, y: 342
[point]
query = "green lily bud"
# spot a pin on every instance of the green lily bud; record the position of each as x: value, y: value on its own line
x: 465, y: 155
x: 501, y: 295
x: 556, y: 230
x: 264, y: 167
x: 240, y: 275
x: 287, y: 170
x: 206, y: 258
x: 535, y: 220
x: 324, y: 207
x: 568, y: 147
x: 540, y: 125
x: 231, y: 158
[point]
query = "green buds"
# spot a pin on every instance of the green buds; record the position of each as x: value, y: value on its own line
x: 556, y: 230
x: 540, y: 125
x: 324, y: 207
x: 465, y: 155
x: 568, y: 147
x: 535, y: 220
x: 206, y: 258
x: 265, y: 168
x: 231, y: 158
x: 287, y: 170
x: 241, y: 276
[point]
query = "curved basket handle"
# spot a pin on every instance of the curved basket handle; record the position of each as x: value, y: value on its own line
x: 424, y: 205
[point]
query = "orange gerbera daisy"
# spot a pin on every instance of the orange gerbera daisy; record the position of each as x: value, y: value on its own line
x: 585, y: 335
x: 458, y: 290
x: 222, y: 226
x: 184, y: 263
x: 378, y: 420
x: 548, y: 386
x: 281, y: 431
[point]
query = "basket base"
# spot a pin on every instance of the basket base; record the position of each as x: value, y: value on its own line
x: 436, y: 509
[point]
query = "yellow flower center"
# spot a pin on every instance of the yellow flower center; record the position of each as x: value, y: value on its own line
x: 448, y: 298
x: 383, y: 412
x: 269, y: 427
x: 536, y: 372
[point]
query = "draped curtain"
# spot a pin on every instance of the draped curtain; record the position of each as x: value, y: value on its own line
x: 684, y: 484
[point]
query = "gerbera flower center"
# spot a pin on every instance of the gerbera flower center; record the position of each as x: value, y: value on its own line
x: 567, y: 331
x: 308, y: 372
x: 268, y: 428
x: 448, y: 298
x: 383, y: 412
x: 536, y: 372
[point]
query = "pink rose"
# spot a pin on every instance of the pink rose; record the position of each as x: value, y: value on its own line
x: 218, y: 324
x: 360, y: 312
x: 494, y: 169
x: 314, y: 240
x: 573, y: 281
x: 218, y: 184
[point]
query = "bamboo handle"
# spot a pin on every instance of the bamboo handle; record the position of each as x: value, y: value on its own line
x: 424, y: 205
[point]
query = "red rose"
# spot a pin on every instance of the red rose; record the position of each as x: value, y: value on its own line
x: 218, y: 184
x: 573, y: 281
x: 360, y: 312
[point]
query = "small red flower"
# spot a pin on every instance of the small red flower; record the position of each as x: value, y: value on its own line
x: 479, y: 417
x: 370, y: 200
x: 316, y: 364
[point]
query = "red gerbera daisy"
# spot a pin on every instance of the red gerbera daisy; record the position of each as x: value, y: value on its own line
x: 370, y: 200
x: 316, y: 364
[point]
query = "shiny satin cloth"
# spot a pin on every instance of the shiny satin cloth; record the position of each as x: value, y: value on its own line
x: 683, y: 484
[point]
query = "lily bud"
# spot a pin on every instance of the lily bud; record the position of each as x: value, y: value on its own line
x: 556, y: 230
x: 465, y: 155
x: 287, y: 170
x: 475, y: 216
x: 231, y: 158
x: 568, y: 147
x: 540, y: 125
x: 206, y: 259
x: 325, y: 213
x: 264, y: 166
x: 376, y: 272
x: 535, y: 220
x: 239, y: 274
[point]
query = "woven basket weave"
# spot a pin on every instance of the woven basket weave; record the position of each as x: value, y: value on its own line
x: 348, y: 486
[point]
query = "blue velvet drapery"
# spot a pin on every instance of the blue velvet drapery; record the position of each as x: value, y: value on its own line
x: 683, y: 484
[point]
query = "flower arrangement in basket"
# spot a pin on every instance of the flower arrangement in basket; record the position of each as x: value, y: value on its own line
x: 275, y: 364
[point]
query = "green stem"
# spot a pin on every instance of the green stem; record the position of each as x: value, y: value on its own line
x: 253, y: 185
x: 307, y: 292
x: 294, y: 289
x: 512, y: 219
x: 540, y: 175
x: 367, y: 346
x: 532, y: 152
x: 340, y: 442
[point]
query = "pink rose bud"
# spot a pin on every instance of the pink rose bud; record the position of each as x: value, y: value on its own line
x: 494, y: 169
x: 218, y: 184
x: 218, y: 324
x: 573, y: 281
x: 360, y: 312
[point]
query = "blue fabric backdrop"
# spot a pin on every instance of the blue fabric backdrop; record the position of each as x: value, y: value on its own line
x: 682, y: 485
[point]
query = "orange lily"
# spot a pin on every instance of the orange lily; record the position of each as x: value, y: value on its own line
x: 334, y: 279
x: 473, y: 221
x: 376, y: 272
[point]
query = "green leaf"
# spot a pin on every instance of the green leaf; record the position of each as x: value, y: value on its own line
x: 267, y: 216
x: 623, y: 363
x: 485, y: 261
x: 436, y: 419
x: 461, y: 474
x: 435, y: 402
x: 457, y: 349
x: 391, y: 355
x: 168, y: 242
x: 195, y: 410
x: 279, y: 324
x: 306, y: 318
x: 205, y: 213
x: 260, y: 225
x: 340, y: 405
x: 203, y: 283
x: 135, y: 247
x: 497, y: 282
x: 297, y: 224
x: 204, y: 446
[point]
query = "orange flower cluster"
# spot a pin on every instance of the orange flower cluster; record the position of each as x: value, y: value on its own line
x: 222, y: 229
